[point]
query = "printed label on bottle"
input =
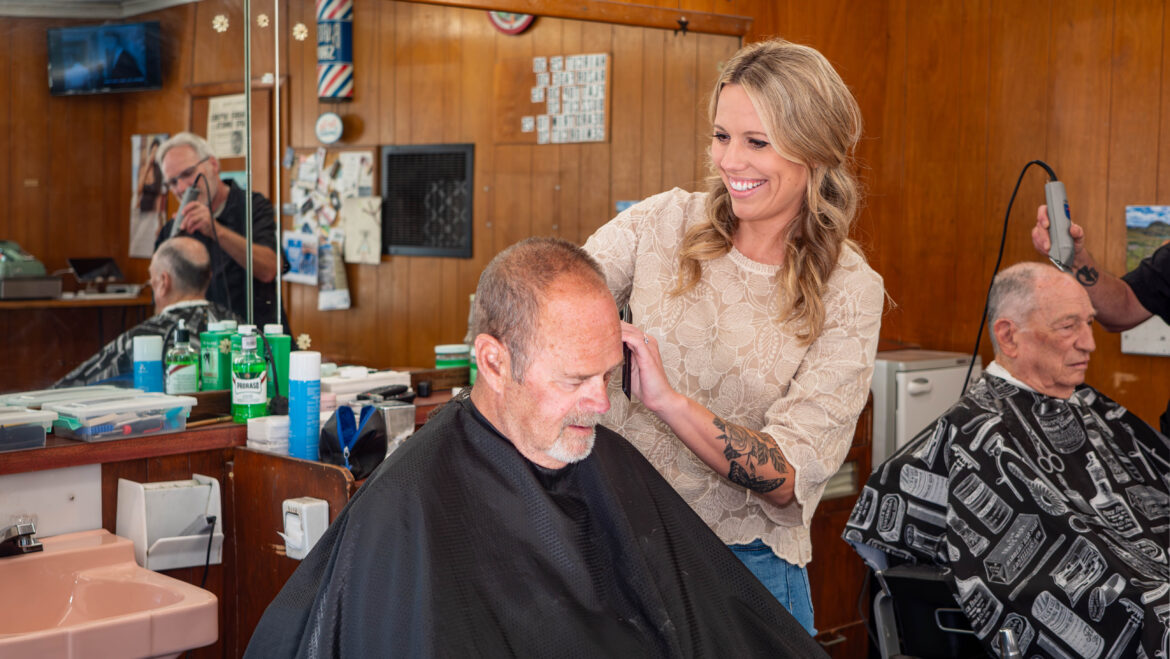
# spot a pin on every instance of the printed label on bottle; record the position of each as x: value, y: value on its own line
x: 1067, y: 626
x: 182, y: 378
x: 984, y: 502
x: 250, y: 388
x: 923, y: 484
x: 889, y: 525
x: 979, y: 604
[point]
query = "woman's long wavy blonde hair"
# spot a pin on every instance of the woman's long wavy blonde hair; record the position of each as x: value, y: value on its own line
x: 812, y: 118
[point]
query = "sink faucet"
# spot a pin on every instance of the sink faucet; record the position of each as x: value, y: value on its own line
x: 19, y: 539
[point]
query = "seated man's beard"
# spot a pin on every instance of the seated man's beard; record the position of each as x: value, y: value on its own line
x: 563, y: 449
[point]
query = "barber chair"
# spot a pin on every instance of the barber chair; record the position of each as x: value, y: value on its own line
x: 915, y: 616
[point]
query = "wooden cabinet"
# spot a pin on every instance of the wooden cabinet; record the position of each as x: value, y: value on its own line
x: 837, y: 575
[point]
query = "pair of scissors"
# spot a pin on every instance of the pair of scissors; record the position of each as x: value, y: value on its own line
x: 1049, y: 462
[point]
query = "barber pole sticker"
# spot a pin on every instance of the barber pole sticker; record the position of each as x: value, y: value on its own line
x: 335, y: 49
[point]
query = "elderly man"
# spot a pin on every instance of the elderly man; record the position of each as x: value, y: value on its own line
x: 512, y: 525
x: 1121, y: 302
x: 179, y: 273
x: 216, y: 218
x: 1045, y: 503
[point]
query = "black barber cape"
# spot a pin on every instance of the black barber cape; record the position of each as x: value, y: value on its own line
x: 1047, y: 516
x: 458, y: 546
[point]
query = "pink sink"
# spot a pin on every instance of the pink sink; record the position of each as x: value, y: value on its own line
x: 85, y: 597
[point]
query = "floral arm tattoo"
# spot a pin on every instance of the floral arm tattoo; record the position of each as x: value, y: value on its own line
x: 745, y: 450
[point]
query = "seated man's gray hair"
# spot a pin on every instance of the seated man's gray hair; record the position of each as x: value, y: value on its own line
x: 511, y: 291
x: 187, y: 261
x: 1012, y: 294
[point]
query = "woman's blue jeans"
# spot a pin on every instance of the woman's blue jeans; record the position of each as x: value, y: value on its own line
x: 783, y: 579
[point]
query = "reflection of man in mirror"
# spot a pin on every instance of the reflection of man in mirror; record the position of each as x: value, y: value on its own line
x: 120, y: 64
x: 237, y: 142
x: 217, y: 218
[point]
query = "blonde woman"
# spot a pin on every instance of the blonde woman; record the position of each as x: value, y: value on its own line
x: 755, y: 316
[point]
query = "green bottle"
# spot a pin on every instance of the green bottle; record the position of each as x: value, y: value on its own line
x: 280, y: 344
x: 215, y: 358
x: 249, y: 382
x: 181, y: 371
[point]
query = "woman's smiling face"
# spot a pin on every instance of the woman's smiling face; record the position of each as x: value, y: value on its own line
x: 764, y: 185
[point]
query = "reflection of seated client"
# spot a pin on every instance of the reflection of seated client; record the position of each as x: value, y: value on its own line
x: 179, y: 273
x: 512, y: 525
x: 1045, y: 502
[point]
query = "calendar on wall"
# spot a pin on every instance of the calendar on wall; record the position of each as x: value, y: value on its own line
x: 555, y: 99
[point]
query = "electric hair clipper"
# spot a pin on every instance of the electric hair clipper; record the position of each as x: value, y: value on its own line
x: 1060, y: 252
x: 626, y: 317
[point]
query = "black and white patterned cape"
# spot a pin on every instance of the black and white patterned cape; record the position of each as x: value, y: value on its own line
x: 1048, y: 517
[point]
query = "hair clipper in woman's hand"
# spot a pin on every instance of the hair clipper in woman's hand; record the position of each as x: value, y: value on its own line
x: 627, y: 357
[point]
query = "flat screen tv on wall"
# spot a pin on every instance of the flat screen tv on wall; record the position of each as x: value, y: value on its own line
x: 100, y: 59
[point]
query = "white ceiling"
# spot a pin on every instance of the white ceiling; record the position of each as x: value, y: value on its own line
x: 95, y: 9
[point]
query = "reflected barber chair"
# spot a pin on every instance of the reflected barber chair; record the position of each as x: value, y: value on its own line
x: 915, y: 615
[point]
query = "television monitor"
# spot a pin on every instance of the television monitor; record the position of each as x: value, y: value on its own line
x: 98, y: 59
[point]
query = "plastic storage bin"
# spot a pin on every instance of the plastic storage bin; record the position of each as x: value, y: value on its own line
x: 37, y: 399
x: 22, y: 428
x: 100, y: 420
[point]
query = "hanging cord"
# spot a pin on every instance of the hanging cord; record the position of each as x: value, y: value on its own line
x: 207, y: 561
x: 998, y: 260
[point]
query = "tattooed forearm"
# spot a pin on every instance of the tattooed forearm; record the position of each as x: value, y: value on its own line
x: 1087, y: 276
x: 746, y: 450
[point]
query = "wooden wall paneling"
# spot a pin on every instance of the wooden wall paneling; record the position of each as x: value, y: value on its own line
x: 625, y: 121
x: 883, y: 165
x: 637, y: 13
x: 384, y: 69
x: 547, y: 39
x: 8, y: 173
x: 260, y: 484
x: 452, y: 322
x: 433, y: 108
x: 302, y: 74
x: 512, y: 201
x: 1018, y: 108
x: 971, y: 158
x: 478, y: 55
x: 1163, y: 193
x: 218, y: 56
x: 679, y: 127
x: 569, y: 155
x: 30, y: 140
x: 932, y: 157
x: 394, y: 306
x: 1135, y: 97
x: 264, y: 37
x: 596, y: 200
x: 654, y: 108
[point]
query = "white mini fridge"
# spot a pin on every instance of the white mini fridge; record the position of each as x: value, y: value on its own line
x: 912, y: 388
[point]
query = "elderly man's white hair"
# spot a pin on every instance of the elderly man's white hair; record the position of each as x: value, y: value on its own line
x: 1013, y: 293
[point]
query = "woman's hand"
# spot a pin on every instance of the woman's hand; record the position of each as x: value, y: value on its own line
x: 648, y: 378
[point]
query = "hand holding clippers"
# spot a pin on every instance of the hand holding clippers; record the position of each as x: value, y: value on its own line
x: 189, y: 195
x: 1060, y: 251
x: 626, y: 316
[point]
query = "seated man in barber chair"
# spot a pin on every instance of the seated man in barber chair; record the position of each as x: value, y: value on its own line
x: 180, y: 272
x: 1043, y: 502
